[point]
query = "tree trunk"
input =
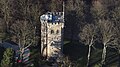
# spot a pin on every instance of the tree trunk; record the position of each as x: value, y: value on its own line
x: 119, y: 58
x: 89, y: 52
x: 104, y: 56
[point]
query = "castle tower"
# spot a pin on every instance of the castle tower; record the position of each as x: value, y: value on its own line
x: 52, y: 24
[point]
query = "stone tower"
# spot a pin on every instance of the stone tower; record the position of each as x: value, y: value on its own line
x: 52, y: 24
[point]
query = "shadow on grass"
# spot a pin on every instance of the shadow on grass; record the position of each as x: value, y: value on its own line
x: 75, y: 50
x: 1, y: 53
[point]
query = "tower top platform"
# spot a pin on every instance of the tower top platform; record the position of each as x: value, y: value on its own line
x: 52, y: 17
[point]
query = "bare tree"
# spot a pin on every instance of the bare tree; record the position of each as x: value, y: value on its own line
x: 35, y: 12
x: 88, y: 37
x: 117, y: 42
x: 98, y: 10
x: 2, y: 31
x: 70, y: 5
x: 107, y: 32
x: 56, y: 5
x: 116, y: 19
x: 24, y: 33
x: 6, y: 12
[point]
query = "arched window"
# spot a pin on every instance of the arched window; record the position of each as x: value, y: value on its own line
x: 57, y: 32
x: 52, y: 31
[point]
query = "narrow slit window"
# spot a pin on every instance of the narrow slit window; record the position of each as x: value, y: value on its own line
x: 57, y: 32
x: 52, y: 31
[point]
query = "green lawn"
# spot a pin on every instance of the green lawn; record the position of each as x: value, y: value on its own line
x: 78, y: 52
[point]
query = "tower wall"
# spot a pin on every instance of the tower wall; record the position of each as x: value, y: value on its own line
x: 52, y: 35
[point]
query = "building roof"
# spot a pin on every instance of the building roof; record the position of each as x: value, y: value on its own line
x: 10, y: 44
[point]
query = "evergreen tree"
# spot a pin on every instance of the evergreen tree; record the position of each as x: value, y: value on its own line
x: 7, y: 58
